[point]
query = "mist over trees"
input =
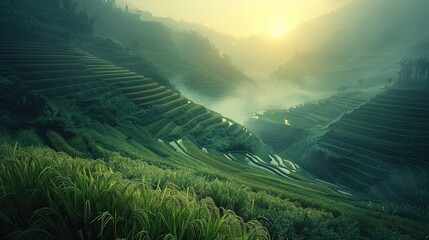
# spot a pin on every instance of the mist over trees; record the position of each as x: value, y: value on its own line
x: 414, y: 69
x: 191, y: 61
x: 62, y: 18
x: 115, y: 127
x: 357, y: 42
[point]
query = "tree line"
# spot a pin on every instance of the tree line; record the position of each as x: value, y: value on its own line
x: 414, y: 69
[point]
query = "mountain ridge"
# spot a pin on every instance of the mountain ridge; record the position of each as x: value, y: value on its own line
x: 92, y: 147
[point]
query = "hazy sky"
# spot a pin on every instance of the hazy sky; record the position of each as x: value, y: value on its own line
x: 241, y: 17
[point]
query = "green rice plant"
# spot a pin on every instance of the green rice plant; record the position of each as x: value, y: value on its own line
x: 141, y: 94
x: 79, y: 143
x: 228, y: 195
x: 137, y: 88
x: 173, y: 103
x: 165, y: 131
x: 205, y: 182
x: 176, y: 132
x: 28, y: 137
x: 151, y: 97
x: 194, y: 121
x: 194, y: 111
x: 48, y: 195
x: 61, y: 145
x: 159, y: 101
x: 98, y: 127
x: 177, y: 111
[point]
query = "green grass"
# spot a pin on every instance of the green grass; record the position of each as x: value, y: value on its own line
x: 197, y: 119
x: 165, y: 107
x: 179, y: 110
x: 295, y: 209
x: 191, y: 112
x: 47, y: 70
x: 107, y: 76
x: 372, y: 148
x: 165, y: 130
x: 160, y: 101
x: 48, y: 195
x: 146, y: 93
x: 42, y: 74
x: 151, y: 97
x: 143, y: 189
x: 60, y: 144
x: 131, y: 88
x: 124, y: 79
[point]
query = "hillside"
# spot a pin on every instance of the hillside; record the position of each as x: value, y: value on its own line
x: 379, y: 148
x: 281, y: 128
x: 96, y: 144
x: 362, y: 40
x: 96, y: 84
x: 373, y: 141
x: 190, y: 60
x: 79, y: 105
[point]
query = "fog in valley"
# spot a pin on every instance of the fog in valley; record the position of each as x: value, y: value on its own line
x: 214, y: 119
x: 354, y: 44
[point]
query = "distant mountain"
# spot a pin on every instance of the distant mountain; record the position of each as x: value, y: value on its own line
x: 358, y: 44
x: 95, y: 144
x: 374, y: 141
x: 222, y: 40
x: 190, y: 60
x: 353, y: 43
x: 362, y: 40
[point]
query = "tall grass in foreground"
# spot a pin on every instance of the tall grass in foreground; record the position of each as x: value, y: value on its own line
x: 286, y: 215
x: 49, y: 195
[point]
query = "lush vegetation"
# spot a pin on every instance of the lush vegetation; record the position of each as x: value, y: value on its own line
x: 68, y: 22
x: 379, y: 148
x: 203, y: 194
x: 340, y: 127
x: 117, y: 96
x: 281, y: 128
x: 54, y: 20
x: 188, y: 58
x: 94, y: 150
x: 89, y: 198
x: 48, y: 195
x: 414, y: 69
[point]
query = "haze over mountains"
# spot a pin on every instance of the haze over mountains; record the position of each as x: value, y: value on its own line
x: 358, y: 45
x: 189, y: 59
x: 107, y: 127
x: 364, y: 39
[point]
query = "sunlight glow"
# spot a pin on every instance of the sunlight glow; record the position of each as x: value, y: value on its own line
x: 257, y: 17
x: 278, y: 31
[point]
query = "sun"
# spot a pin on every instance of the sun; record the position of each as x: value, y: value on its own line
x: 278, y: 30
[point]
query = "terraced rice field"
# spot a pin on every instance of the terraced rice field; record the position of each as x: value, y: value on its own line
x: 311, y: 114
x: 62, y: 72
x: 282, y: 128
x: 390, y: 133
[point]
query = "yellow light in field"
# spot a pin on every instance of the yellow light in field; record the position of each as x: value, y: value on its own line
x: 278, y: 30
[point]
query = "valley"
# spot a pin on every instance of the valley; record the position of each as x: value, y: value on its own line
x: 100, y: 140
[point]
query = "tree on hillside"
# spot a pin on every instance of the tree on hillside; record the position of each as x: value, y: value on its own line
x: 420, y: 67
x: 414, y: 69
x: 427, y: 70
x: 76, y: 17
x: 406, y: 69
x: 423, y: 66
